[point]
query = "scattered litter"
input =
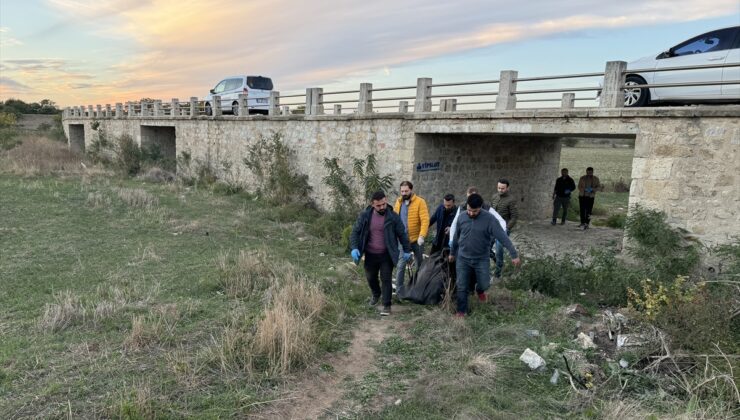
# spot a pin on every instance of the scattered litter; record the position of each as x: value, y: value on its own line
x: 555, y: 376
x: 532, y: 333
x: 322, y: 255
x: 331, y: 268
x: 532, y: 359
x: 585, y: 341
x: 623, y: 363
x: 398, y: 402
x: 630, y: 340
x: 576, y: 309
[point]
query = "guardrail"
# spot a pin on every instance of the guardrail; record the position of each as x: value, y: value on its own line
x: 426, y: 96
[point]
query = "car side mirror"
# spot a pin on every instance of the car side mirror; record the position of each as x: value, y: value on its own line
x: 213, y: 90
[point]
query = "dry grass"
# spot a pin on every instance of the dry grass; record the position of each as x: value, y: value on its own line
x: 65, y: 311
x: 485, y: 365
x: 97, y: 200
x: 142, y: 334
x: 287, y: 334
x: 38, y: 155
x: 136, y: 403
x: 232, y: 351
x: 138, y: 198
x: 249, y: 272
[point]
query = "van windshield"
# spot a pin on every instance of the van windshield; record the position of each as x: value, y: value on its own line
x: 259, y: 82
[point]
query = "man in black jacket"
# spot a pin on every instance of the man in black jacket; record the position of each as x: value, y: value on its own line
x: 443, y: 217
x: 376, y: 234
x: 561, y: 195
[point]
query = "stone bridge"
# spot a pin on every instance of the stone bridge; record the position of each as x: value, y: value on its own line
x: 686, y: 161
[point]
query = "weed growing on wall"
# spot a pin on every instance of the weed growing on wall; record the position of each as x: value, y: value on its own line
x: 271, y: 162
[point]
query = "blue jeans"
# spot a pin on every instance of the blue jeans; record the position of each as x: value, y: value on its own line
x: 500, y: 256
x: 418, y: 258
x: 465, y: 269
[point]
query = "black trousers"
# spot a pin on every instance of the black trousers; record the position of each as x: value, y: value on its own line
x: 586, y: 205
x: 380, y: 264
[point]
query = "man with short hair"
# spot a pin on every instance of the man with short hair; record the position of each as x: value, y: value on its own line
x: 376, y: 233
x: 564, y: 185
x: 505, y: 205
x: 587, y: 187
x: 474, y: 190
x: 414, y: 214
x: 475, y: 233
x: 443, y: 217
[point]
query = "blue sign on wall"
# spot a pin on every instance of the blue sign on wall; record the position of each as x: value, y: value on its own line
x: 428, y: 166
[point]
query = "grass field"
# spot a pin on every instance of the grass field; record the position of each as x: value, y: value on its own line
x: 126, y: 299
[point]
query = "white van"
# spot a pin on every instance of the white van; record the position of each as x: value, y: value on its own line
x: 257, y: 89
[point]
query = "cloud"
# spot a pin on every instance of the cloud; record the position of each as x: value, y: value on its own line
x: 11, y: 87
x: 7, y: 41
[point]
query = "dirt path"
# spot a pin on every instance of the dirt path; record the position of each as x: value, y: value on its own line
x: 539, y: 237
x: 319, y: 389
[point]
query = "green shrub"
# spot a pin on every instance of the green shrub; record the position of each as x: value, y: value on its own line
x: 616, y: 221
x: 9, y: 138
x: 128, y: 155
x: 364, y: 181
x: 662, y: 249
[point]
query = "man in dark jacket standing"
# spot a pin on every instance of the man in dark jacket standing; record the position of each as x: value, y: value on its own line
x: 475, y: 233
x: 564, y: 185
x: 443, y: 217
x: 376, y: 234
x: 505, y: 205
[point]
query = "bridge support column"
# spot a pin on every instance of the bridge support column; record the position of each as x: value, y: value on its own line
x: 273, y: 104
x: 423, y: 101
x: 612, y: 94
x: 569, y: 100
x: 506, y: 98
x: 365, y: 103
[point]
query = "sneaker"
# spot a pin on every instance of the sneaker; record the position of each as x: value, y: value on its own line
x: 374, y: 300
x: 554, y: 222
x: 580, y: 226
x: 385, y: 311
x: 482, y: 297
x: 460, y: 315
x: 562, y: 222
x: 585, y: 227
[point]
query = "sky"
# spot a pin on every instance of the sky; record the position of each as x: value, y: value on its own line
x: 78, y: 52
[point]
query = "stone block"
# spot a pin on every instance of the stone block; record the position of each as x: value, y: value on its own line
x: 660, y: 168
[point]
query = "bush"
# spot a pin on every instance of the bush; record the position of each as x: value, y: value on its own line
x: 128, y: 155
x: 270, y: 161
x: 621, y: 186
x: 662, y: 249
x: 363, y: 182
x: 616, y: 221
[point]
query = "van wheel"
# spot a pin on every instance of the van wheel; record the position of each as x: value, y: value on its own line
x: 634, y: 97
x: 235, y: 108
x: 209, y: 111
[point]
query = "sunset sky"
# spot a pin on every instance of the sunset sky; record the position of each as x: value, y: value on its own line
x: 78, y: 52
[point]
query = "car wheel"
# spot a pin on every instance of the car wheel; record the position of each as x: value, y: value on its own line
x: 634, y: 97
x: 235, y: 108
x: 209, y: 111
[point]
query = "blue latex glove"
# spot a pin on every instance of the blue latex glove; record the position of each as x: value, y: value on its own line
x: 406, y: 256
x: 589, y: 190
x: 450, y: 243
x: 355, y: 255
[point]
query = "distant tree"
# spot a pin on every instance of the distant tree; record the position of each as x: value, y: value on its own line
x: 18, y: 107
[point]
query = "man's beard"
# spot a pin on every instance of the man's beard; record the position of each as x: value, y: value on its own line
x: 406, y: 197
x: 380, y: 212
x: 449, y: 211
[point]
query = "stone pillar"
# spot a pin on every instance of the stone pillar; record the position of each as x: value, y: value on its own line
x: 286, y: 110
x: 143, y: 109
x: 90, y: 111
x: 98, y: 111
x: 448, y: 105
x: 131, y: 111
x: 506, y: 98
x: 216, y: 106
x: 403, y: 107
x: 158, y: 110
x: 569, y: 100
x: 314, y: 97
x: 193, y: 107
x: 119, y: 110
x: 243, y: 108
x: 612, y: 93
x: 423, y: 95
x: 337, y: 109
x: 365, y: 103
x: 175, y: 108
x: 273, y: 104
x: 108, y: 113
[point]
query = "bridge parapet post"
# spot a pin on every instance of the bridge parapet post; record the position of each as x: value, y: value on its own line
x: 193, y: 107
x: 423, y: 101
x: 612, y: 94
x: 98, y: 111
x: 216, y: 106
x: 175, y: 107
x: 273, y: 103
x: 108, y: 112
x: 506, y: 98
x: 313, y: 101
x: 403, y: 107
x: 90, y: 112
x: 285, y: 110
x: 119, y: 111
x: 365, y: 103
x: 568, y: 101
x: 158, y: 110
x: 243, y: 105
x: 131, y: 111
x: 448, y: 105
x: 337, y: 109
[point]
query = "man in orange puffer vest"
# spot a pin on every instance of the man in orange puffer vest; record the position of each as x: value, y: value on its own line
x: 415, y: 217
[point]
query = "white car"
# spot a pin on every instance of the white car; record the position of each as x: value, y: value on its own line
x: 257, y: 89
x: 715, y: 47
